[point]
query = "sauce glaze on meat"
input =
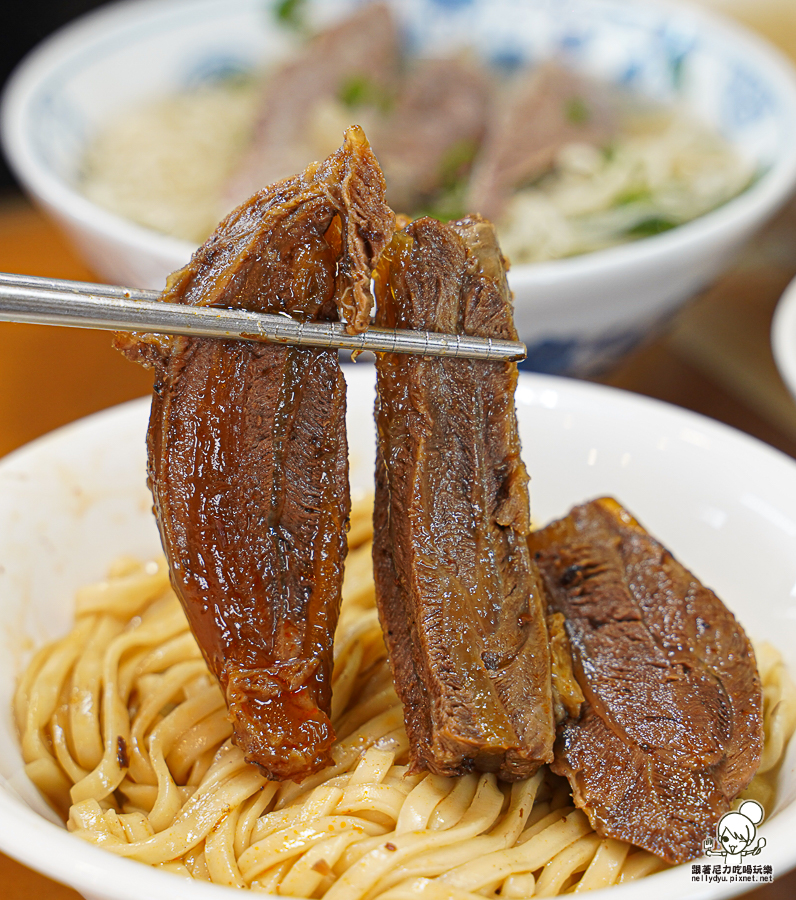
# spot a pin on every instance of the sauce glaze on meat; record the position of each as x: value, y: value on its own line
x: 456, y: 588
x: 248, y: 459
x: 670, y: 726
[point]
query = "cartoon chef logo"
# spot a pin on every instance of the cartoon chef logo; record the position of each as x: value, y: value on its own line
x: 736, y: 834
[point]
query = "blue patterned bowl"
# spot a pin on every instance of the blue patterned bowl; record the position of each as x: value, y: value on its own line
x: 578, y: 316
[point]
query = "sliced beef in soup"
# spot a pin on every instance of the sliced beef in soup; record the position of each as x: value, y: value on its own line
x: 427, y: 142
x: 548, y: 108
x: 360, y: 53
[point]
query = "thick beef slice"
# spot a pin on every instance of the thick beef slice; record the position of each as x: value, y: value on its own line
x: 548, y: 107
x: 428, y: 141
x: 670, y: 729
x: 456, y: 588
x: 248, y: 457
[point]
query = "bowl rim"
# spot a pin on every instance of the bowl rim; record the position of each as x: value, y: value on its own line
x: 783, y: 337
x: 738, y: 216
x: 48, y: 848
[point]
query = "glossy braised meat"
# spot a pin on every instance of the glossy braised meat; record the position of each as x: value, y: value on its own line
x: 248, y: 458
x: 456, y: 589
x: 669, y: 729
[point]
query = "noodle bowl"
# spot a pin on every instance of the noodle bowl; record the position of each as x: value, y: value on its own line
x: 77, y: 500
x: 164, y: 165
x: 125, y: 730
x: 577, y: 315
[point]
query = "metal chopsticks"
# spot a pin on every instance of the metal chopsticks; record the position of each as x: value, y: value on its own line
x: 81, y: 304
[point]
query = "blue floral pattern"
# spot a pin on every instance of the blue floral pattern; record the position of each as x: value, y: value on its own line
x: 580, y: 358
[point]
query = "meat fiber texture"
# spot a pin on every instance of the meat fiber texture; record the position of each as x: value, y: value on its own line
x: 248, y: 460
x: 456, y: 588
x: 671, y: 726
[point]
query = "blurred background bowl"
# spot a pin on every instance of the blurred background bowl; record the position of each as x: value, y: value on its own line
x: 579, y: 316
x: 783, y: 337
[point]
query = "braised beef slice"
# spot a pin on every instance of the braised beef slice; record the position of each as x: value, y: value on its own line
x: 670, y: 729
x: 456, y: 588
x: 248, y: 459
x: 426, y: 143
x: 548, y: 107
x: 360, y: 53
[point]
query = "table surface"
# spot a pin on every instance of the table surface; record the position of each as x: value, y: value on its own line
x: 714, y: 358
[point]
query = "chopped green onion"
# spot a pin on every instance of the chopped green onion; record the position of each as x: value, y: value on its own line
x: 446, y: 205
x: 355, y: 91
x: 653, y: 225
x: 456, y: 162
x: 577, y: 111
x: 634, y: 195
x: 290, y: 13
x: 359, y: 90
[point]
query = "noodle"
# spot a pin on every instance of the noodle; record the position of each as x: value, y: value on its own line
x: 662, y: 170
x: 124, y: 730
x: 164, y: 165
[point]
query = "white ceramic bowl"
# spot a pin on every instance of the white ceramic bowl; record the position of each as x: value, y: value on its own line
x: 577, y: 315
x: 723, y: 502
x: 783, y: 337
